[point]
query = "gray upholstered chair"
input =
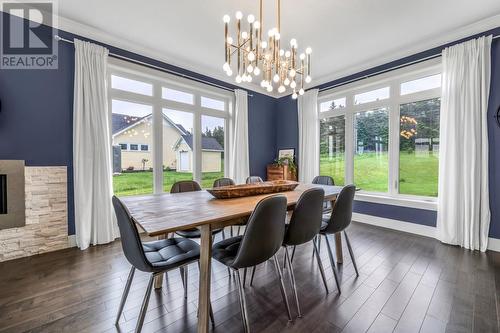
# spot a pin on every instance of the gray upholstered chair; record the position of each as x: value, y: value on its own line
x: 338, y: 221
x: 190, y: 186
x: 223, y: 182
x: 254, y: 180
x: 154, y: 257
x: 263, y: 237
x: 325, y: 180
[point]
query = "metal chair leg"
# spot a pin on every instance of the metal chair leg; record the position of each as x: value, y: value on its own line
x: 292, y: 280
x: 282, y: 287
x: 243, y: 306
x: 332, y: 262
x: 351, y: 253
x: 244, y: 276
x: 238, y: 232
x: 125, y: 294
x: 320, y: 265
x: 145, y: 302
x: 253, y: 273
x: 185, y: 277
x: 293, y: 253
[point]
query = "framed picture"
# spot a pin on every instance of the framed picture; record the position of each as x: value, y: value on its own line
x: 290, y: 152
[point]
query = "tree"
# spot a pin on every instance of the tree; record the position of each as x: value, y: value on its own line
x: 217, y: 133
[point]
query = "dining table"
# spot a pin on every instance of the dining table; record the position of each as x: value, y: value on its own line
x: 161, y: 214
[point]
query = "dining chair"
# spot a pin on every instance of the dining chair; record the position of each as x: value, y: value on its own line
x: 338, y: 221
x: 254, y: 180
x: 154, y: 257
x: 226, y: 182
x: 304, y: 226
x: 263, y: 237
x: 191, y: 186
x: 223, y: 182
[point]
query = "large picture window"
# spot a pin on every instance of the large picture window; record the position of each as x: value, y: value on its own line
x: 382, y: 134
x: 164, y: 129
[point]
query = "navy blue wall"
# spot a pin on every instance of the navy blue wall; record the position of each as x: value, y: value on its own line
x: 36, y: 119
x: 287, y: 137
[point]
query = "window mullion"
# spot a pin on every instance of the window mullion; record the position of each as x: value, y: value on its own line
x: 197, y: 141
x: 157, y: 141
x: 349, y: 140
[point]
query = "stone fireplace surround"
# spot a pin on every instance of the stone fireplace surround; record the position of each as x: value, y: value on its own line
x: 46, y: 227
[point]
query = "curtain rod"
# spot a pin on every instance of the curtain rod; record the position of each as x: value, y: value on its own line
x: 434, y: 56
x: 168, y: 71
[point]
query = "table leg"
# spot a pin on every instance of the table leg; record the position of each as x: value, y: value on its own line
x: 159, y: 278
x: 338, y: 248
x: 205, y: 262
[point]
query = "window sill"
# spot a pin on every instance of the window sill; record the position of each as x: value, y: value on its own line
x: 418, y: 203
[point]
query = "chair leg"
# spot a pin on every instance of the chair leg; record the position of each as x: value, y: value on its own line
x: 253, y: 273
x: 231, y: 231
x: 320, y: 265
x: 293, y: 253
x: 125, y: 294
x: 282, y: 286
x: 185, y: 278
x: 244, y: 276
x: 238, y: 232
x: 292, y: 280
x: 145, y: 303
x: 243, y: 306
x: 351, y: 253
x: 332, y: 262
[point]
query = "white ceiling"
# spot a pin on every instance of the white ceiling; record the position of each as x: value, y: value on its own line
x: 346, y: 35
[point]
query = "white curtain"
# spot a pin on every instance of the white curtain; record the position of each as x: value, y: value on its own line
x: 463, y: 204
x: 94, y: 216
x: 239, y: 168
x: 308, y: 166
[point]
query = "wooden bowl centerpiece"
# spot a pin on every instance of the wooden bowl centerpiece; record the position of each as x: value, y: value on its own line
x: 246, y: 190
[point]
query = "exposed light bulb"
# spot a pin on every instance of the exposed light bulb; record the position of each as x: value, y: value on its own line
x: 250, y: 18
x: 287, y: 54
x: 277, y: 35
x: 301, y: 91
x: 292, y: 72
x: 226, y: 19
x: 282, y: 52
x: 251, y: 56
x: 256, y: 71
x: 269, y: 88
x: 250, y: 69
x: 308, y: 50
x: 239, y: 15
x: 281, y: 89
x: 294, y: 95
x: 293, y: 42
x: 238, y: 79
x: 226, y: 67
x: 263, y: 83
x: 308, y: 79
x: 276, y: 78
x: 286, y: 82
x: 230, y: 40
x: 229, y: 72
x: 293, y: 84
x: 256, y: 25
x: 270, y: 33
x: 263, y: 44
x: 249, y: 78
x: 244, y: 34
x: 302, y: 56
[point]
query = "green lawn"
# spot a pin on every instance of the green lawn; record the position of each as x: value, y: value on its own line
x: 418, y: 174
x: 142, y: 182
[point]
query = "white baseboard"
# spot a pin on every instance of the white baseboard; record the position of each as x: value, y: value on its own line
x: 72, y: 241
x: 412, y: 228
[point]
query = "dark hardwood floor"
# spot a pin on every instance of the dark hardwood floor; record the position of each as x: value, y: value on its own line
x: 406, y: 284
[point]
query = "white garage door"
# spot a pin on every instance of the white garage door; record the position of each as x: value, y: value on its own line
x: 184, y: 157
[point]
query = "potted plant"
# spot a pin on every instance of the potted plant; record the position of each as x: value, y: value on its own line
x: 288, y: 161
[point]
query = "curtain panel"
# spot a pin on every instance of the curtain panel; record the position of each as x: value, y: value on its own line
x: 308, y: 166
x: 239, y: 166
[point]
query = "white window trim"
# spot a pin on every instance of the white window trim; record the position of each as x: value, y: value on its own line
x: 392, y: 80
x: 160, y: 79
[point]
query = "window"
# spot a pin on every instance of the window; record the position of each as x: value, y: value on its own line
x: 138, y: 87
x: 212, y: 103
x: 165, y: 129
x: 371, y: 142
x: 419, y: 147
x: 422, y: 84
x: 332, y: 148
x: 212, y: 141
x: 382, y: 134
x: 177, y: 96
x: 332, y: 105
x: 371, y: 96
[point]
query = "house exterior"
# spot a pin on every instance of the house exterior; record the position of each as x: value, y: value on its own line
x: 134, y: 137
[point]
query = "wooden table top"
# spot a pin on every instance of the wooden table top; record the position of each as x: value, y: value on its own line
x: 159, y: 214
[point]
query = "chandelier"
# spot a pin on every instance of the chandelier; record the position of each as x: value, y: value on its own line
x: 253, y: 56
